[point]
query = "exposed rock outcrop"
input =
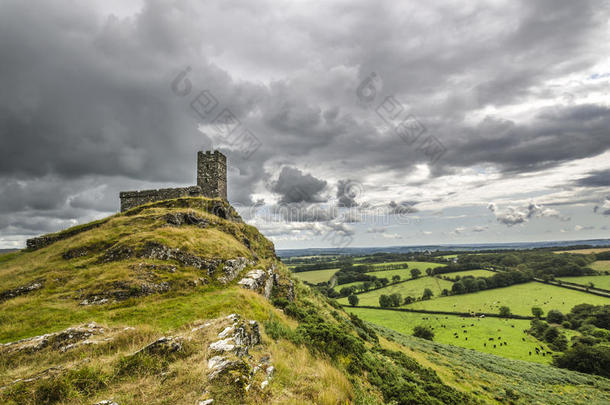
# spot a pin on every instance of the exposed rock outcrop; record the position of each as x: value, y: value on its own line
x: 62, y: 341
x: 232, y: 268
x: 22, y: 290
x: 267, y: 281
x: 185, y: 218
x: 121, y: 291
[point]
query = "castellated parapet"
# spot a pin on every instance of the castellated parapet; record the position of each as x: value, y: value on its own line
x: 211, y: 183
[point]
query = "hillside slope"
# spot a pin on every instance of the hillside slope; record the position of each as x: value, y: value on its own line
x: 181, y: 302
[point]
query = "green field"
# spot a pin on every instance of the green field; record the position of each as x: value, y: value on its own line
x: 598, y: 281
x: 414, y: 265
x: 519, y: 298
x: 405, y: 273
x: 510, y: 330
x: 474, y: 273
x: 315, y: 276
x: 601, y: 265
x: 414, y: 288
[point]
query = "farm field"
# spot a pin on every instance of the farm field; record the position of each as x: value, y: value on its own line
x: 414, y: 288
x: 315, y: 276
x: 405, y: 273
x: 598, y: 281
x: 475, y: 335
x: 474, y: 273
x: 519, y: 298
x: 601, y: 265
x: 585, y: 251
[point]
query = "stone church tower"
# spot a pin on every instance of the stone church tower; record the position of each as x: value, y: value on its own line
x: 212, y: 174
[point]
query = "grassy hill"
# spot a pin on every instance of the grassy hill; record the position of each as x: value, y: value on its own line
x: 180, y: 301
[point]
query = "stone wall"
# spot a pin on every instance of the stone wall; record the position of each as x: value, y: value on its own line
x: 131, y: 199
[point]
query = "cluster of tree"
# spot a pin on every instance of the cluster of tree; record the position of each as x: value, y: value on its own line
x: 395, y: 300
x: 390, y: 266
x: 469, y: 284
x: 454, y: 267
x: 590, y: 351
x: 323, y: 265
x: 550, y: 334
x: 392, y: 300
x: 602, y: 255
x: 542, y: 263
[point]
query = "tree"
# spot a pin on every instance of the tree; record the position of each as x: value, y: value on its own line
x: 353, y: 300
x: 550, y: 334
x: 458, y: 288
x: 427, y: 294
x: 445, y: 292
x: 504, y: 312
x: 409, y: 300
x: 537, y: 312
x: 554, y: 316
x: 429, y: 271
x: 384, y: 281
x: 395, y: 299
x: 424, y: 332
x: 586, y: 359
x: 396, y: 278
x: 384, y: 301
x: 367, y: 285
x: 415, y: 273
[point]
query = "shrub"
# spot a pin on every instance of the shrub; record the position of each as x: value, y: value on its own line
x: 277, y: 330
x: 554, y: 316
x: 505, y: 311
x: 550, y: 334
x: 537, y: 312
x: 424, y: 332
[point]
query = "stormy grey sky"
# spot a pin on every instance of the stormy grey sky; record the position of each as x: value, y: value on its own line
x: 366, y: 123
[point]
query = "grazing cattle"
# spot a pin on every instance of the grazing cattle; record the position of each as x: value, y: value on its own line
x: 523, y: 339
x: 494, y: 346
x: 484, y: 344
x: 542, y: 354
x: 466, y: 338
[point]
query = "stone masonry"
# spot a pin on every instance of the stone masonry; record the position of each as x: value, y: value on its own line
x: 211, y: 183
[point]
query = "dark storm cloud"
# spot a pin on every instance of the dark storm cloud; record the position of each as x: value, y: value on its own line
x: 599, y: 178
x: 294, y: 186
x: 87, y: 108
x: 347, y: 192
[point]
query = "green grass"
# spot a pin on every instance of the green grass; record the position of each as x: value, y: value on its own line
x: 498, y: 379
x: 598, y: 281
x: 519, y: 298
x: 413, y: 288
x: 474, y: 273
x: 30, y: 316
x: 601, y: 265
x: 315, y: 276
x: 477, y: 335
